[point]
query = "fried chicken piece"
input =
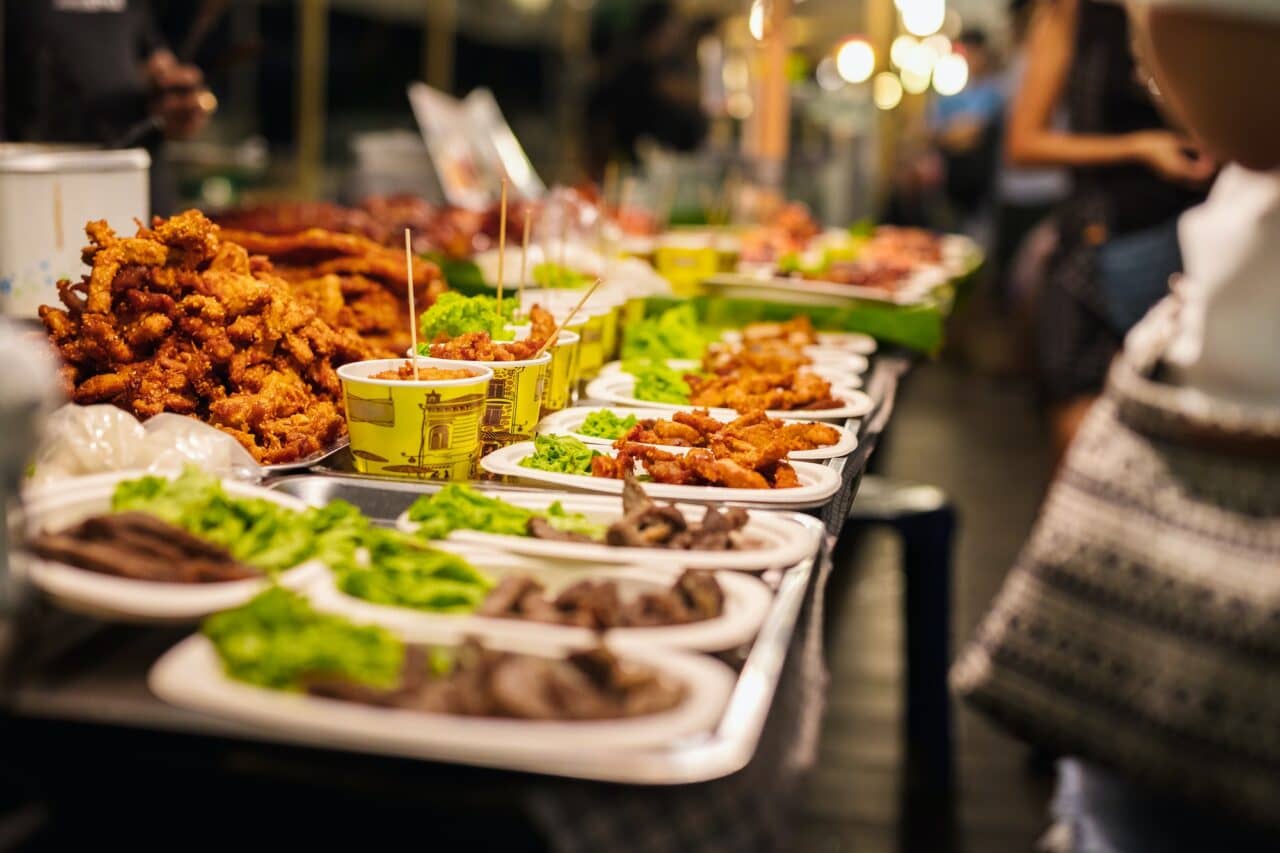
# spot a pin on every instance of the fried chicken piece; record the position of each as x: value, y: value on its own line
x: 479, y: 346
x: 609, y: 468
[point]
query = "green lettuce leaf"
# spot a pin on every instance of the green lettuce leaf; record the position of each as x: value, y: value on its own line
x: 603, y: 423
x: 561, y: 454
x: 277, y: 638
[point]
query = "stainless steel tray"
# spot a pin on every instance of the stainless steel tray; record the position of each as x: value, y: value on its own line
x: 720, y: 753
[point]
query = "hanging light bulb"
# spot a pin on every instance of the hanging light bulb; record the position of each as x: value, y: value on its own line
x: 886, y: 90
x: 856, y: 60
x: 951, y: 74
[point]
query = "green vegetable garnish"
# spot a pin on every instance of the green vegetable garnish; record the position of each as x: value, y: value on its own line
x: 674, y: 333
x: 658, y: 383
x: 397, y: 569
x: 382, y: 566
x: 603, y: 423
x: 277, y: 638
x: 559, y: 276
x: 561, y: 454
x: 454, y: 314
x: 255, y: 531
x: 459, y: 507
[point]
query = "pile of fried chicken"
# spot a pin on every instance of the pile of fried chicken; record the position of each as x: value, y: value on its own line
x: 179, y: 319
x: 350, y: 280
x: 753, y: 429
x: 741, y: 466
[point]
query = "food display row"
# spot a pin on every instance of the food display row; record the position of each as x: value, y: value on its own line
x: 565, y: 518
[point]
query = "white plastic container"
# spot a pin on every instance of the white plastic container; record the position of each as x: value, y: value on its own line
x: 47, y: 194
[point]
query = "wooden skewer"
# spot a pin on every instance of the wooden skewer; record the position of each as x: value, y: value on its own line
x: 564, y: 233
x: 502, y: 242
x: 413, y: 313
x: 567, y: 319
x: 524, y: 259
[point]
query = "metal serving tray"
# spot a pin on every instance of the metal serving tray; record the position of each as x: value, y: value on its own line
x: 698, y: 759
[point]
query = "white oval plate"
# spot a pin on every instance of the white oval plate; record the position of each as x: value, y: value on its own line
x: 834, y: 372
x: 852, y: 342
x: 190, y: 675
x: 746, y: 601
x: 784, y: 538
x: 620, y: 388
x: 569, y: 421
x: 125, y: 599
x: 817, y: 482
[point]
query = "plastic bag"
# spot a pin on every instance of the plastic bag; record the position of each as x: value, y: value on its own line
x: 83, y: 440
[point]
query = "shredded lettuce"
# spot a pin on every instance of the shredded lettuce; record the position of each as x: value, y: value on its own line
x: 561, y: 454
x: 603, y: 423
x: 454, y: 314
x: 675, y: 333
x: 255, y: 531
x: 397, y: 569
x: 658, y: 383
x: 459, y: 507
x: 277, y: 638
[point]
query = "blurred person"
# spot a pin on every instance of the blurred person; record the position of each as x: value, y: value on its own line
x: 966, y: 130
x: 1131, y: 177
x: 647, y: 85
x: 1139, y: 628
x: 1025, y: 195
x: 94, y: 72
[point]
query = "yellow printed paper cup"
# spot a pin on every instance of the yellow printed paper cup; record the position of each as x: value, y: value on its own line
x: 591, y: 356
x: 609, y: 334
x: 422, y: 429
x: 513, y: 401
x: 564, y: 371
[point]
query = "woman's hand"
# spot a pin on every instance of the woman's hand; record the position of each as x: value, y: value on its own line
x: 1172, y: 157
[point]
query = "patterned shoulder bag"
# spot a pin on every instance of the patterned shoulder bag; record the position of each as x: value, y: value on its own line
x: 1140, y: 627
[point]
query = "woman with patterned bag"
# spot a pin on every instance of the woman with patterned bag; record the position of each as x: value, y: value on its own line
x: 1139, y: 631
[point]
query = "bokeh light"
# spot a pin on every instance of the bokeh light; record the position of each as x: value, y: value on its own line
x: 950, y: 74
x: 886, y: 90
x: 856, y: 60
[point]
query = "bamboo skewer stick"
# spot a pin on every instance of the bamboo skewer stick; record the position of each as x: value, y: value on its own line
x: 524, y: 259
x: 567, y: 319
x: 413, y: 312
x: 502, y: 243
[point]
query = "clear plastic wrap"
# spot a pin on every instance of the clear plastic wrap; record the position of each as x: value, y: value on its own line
x: 83, y: 440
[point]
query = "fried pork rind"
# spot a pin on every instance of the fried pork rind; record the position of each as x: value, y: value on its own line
x: 178, y: 319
